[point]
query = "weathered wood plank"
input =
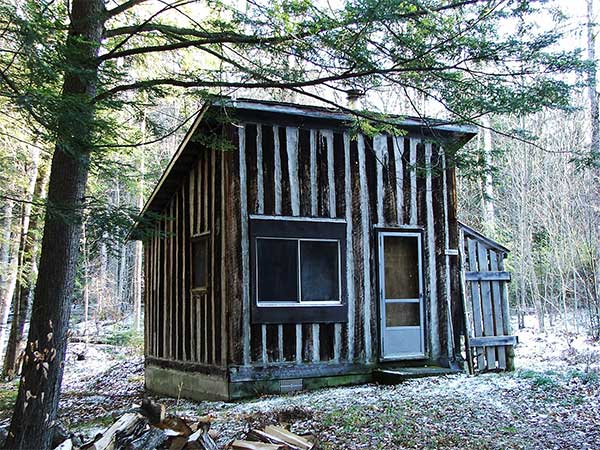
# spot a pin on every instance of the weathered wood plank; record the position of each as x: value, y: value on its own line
x: 313, y: 173
x: 221, y: 257
x: 486, y: 305
x: 244, y: 245
x: 260, y: 189
x: 412, y: 215
x: 510, y: 354
x: 286, y: 205
x: 292, y: 157
x: 183, y: 277
x: 476, y: 301
x: 492, y: 275
x: 379, y: 145
x: 447, y: 268
x: 277, y: 169
x: 399, y: 185
x: 366, y: 262
x: 497, y: 305
x: 493, y: 341
x: 434, y: 328
x: 350, y: 282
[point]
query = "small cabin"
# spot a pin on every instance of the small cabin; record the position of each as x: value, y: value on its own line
x: 291, y: 251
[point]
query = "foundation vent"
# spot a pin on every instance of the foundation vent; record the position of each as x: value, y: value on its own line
x: 292, y: 385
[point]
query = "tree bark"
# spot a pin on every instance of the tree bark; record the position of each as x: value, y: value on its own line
x: 5, y: 261
x: 37, y: 400
x: 26, y: 280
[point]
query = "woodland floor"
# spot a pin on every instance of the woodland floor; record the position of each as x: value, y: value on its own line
x: 552, y: 401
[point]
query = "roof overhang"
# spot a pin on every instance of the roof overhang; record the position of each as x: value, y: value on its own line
x: 285, y: 113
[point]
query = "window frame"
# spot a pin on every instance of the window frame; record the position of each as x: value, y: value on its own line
x: 299, y: 229
x: 194, y: 240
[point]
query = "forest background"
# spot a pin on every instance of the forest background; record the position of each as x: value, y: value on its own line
x: 529, y: 180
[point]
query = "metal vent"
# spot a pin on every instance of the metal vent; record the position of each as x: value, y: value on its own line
x: 292, y: 385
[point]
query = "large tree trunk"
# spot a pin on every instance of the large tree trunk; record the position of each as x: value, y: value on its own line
x: 37, y: 400
x: 27, y: 276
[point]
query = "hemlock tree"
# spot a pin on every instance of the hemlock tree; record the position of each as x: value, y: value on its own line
x: 68, y: 69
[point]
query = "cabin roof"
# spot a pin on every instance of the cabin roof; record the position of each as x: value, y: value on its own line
x: 284, y: 113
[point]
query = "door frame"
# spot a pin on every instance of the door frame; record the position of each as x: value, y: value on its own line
x: 400, y: 232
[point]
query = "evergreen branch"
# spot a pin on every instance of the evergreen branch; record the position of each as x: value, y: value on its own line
x: 13, y: 87
x: 123, y: 7
x: 148, y: 20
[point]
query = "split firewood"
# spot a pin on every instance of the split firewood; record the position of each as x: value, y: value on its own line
x: 248, y: 445
x: 66, y: 445
x: 125, y: 424
x: 292, y: 439
x: 149, y: 440
x: 204, y: 439
x: 155, y: 412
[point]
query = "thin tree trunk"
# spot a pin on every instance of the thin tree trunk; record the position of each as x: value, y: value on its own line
x: 26, y: 283
x: 5, y: 263
x: 39, y: 390
x: 138, y: 255
x: 86, y: 283
x: 489, y: 213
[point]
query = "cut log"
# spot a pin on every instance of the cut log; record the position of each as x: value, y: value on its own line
x: 262, y: 436
x: 292, y: 439
x: 123, y: 425
x: 204, y: 440
x: 149, y: 441
x: 66, y: 445
x: 247, y: 445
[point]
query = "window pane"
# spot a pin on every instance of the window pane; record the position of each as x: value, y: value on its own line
x: 199, y: 262
x: 402, y: 314
x: 319, y: 262
x: 401, y: 258
x: 277, y: 270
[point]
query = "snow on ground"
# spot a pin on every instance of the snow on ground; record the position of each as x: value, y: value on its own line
x: 552, y: 401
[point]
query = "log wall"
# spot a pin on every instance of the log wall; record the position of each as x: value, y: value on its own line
x: 291, y: 170
x: 375, y: 182
x: 183, y: 324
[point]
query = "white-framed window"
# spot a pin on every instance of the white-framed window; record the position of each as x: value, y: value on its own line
x: 297, y: 269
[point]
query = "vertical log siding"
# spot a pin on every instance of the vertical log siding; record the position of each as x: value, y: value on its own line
x: 286, y: 170
x: 184, y: 324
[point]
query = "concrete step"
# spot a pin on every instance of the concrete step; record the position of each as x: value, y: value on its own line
x: 398, y: 375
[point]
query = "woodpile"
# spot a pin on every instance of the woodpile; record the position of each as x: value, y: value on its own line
x: 273, y: 438
x: 148, y: 427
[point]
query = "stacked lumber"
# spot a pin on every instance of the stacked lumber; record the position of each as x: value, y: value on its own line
x: 147, y: 427
x: 273, y: 438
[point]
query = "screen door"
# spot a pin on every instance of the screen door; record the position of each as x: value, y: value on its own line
x: 401, y: 295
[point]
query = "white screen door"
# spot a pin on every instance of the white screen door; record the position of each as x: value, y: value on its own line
x: 401, y: 295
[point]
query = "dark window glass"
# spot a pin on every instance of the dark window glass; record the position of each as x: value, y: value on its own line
x: 320, y: 272
x: 277, y: 262
x: 199, y: 262
x: 402, y: 314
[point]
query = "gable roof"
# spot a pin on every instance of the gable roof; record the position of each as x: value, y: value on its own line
x: 285, y: 113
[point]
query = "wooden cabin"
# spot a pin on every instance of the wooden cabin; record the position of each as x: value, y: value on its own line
x: 290, y: 251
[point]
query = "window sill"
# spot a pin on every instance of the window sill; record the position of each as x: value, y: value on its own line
x: 300, y: 314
